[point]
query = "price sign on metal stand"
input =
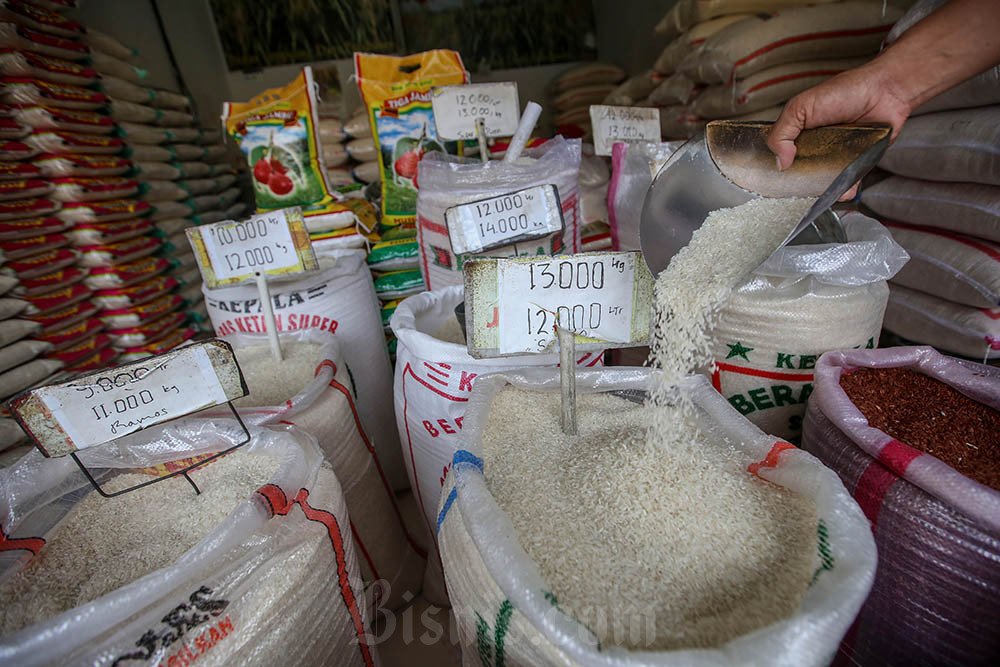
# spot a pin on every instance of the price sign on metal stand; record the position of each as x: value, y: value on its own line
x: 457, y: 108
x: 614, y: 124
x: 103, y: 406
x: 513, y: 305
x: 500, y: 221
x: 273, y: 244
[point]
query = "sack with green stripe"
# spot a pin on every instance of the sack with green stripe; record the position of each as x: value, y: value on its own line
x: 507, y: 613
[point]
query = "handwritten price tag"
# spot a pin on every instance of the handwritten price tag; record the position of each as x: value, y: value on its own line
x: 615, y: 124
x: 499, y: 221
x: 457, y: 108
x: 513, y: 305
x: 273, y: 243
x: 103, y: 406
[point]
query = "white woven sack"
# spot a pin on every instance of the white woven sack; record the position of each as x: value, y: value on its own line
x: 966, y: 208
x: 392, y: 563
x: 507, y: 614
x: 674, y: 52
x: 946, y: 325
x: 838, y: 30
x: 767, y: 87
x: 802, y: 302
x: 217, y: 603
x: 447, y: 181
x: 675, y: 89
x: 686, y: 13
x: 634, y: 89
x: 432, y: 385
x: 957, y: 146
x: 339, y: 298
x: 588, y: 74
x: 957, y: 268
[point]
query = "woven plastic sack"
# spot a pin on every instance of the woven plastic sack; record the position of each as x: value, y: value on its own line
x: 431, y: 388
x: 937, y: 531
x: 686, y: 13
x: 338, y: 298
x: 958, y: 268
x: 956, y: 146
x: 447, y: 181
x: 218, y: 601
x: 803, y: 301
x: 951, y: 327
x: 490, y: 576
x: 675, y: 89
x: 391, y: 562
x: 634, y: 89
x: 590, y: 73
x: 633, y: 166
x: 966, y: 208
x: 674, y: 52
x: 838, y: 30
x: 767, y: 87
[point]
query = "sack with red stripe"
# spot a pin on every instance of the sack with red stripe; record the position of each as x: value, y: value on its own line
x: 277, y: 581
x: 954, y: 267
x: 507, y: 613
x: 392, y: 563
x: 838, y: 30
x: 767, y: 87
x: 803, y: 301
x: 954, y: 146
x: 686, y: 13
x: 434, y: 377
x: 934, y: 601
x: 674, y: 52
x: 447, y: 181
x: 951, y: 327
x: 965, y: 208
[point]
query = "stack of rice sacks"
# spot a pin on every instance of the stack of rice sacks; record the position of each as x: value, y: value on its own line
x: 102, y: 175
x: 941, y: 202
x: 745, y: 58
x: 575, y: 90
x: 349, y: 152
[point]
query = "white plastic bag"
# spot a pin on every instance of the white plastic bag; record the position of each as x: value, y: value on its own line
x: 505, y: 608
x: 430, y: 392
x: 391, y: 562
x: 277, y: 580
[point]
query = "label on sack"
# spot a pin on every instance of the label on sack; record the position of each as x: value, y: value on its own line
x: 274, y: 243
x: 617, y: 124
x: 500, y: 221
x: 513, y: 305
x: 457, y: 108
x: 99, y: 407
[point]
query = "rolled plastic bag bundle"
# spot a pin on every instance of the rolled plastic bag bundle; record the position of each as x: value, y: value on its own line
x: 937, y: 531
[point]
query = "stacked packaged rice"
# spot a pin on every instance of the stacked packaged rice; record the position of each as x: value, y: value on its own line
x: 941, y: 202
x: 576, y: 89
x: 745, y: 58
x: 101, y: 176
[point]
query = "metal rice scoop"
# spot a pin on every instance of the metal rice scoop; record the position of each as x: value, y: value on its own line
x: 729, y: 163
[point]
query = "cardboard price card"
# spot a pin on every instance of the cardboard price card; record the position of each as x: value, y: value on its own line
x: 618, y: 124
x: 275, y: 243
x: 99, y: 407
x: 500, y: 221
x: 457, y: 108
x: 513, y: 305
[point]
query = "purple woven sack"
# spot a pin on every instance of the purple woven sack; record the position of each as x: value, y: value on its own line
x: 936, y: 597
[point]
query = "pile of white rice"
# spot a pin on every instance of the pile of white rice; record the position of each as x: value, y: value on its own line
x: 274, y: 382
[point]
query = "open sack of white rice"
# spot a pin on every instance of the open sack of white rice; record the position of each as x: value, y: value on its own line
x: 258, y: 568
x: 724, y: 547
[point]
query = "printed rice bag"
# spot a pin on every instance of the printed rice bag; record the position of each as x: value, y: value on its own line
x: 29, y: 92
x: 23, y: 229
x: 147, y: 332
x: 26, y: 208
x: 394, y: 255
x: 55, y: 300
x: 94, y: 361
x: 11, y: 129
x: 13, y: 36
x: 16, y: 150
x: 396, y: 92
x: 77, y: 189
x: 399, y: 284
x: 104, y: 233
x: 17, y: 63
x: 64, y: 317
x: 78, y: 353
x: 60, y: 166
x: 40, y: 117
x: 75, y: 142
x: 41, y: 264
x: 135, y: 295
x: 104, y: 211
x: 71, y: 335
x: 118, y: 253
x: 160, y: 346
x: 124, y: 318
x: 43, y: 19
x: 23, y: 189
x: 22, y: 248
x: 16, y: 171
x: 48, y: 282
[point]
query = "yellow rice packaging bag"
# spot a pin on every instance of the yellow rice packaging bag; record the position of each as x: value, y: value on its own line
x: 396, y: 92
x: 277, y: 133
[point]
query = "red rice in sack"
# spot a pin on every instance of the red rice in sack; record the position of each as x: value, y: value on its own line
x: 965, y: 208
x: 838, y: 30
x: 962, y: 146
x: 957, y: 268
x: 31, y: 65
x: 66, y: 120
x: 948, y: 326
x: 26, y: 208
x: 148, y: 332
x: 502, y: 603
x: 49, y: 282
x: 686, y: 13
x: 118, y: 253
x: 56, y: 166
x: 14, y: 250
x: 105, y: 233
x: 51, y: 301
x: 767, y: 87
x: 75, y: 142
x: 937, y: 531
x: 392, y: 564
x: 41, y: 264
x: 24, y: 189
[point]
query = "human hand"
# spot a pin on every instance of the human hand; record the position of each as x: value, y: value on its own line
x: 862, y: 94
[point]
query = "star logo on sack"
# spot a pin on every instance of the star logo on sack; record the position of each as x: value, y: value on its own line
x: 738, y: 350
